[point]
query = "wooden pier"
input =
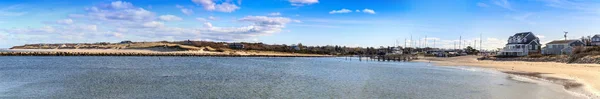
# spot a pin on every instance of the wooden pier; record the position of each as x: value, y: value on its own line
x: 392, y: 57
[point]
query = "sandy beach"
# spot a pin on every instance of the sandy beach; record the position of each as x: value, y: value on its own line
x: 582, y: 77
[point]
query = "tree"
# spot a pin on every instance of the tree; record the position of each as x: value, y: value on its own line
x: 471, y: 50
x: 587, y: 41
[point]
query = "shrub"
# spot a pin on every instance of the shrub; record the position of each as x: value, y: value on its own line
x: 579, y: 49
x: 535, y: 56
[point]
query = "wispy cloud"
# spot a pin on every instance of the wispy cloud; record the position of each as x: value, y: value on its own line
x: 210, y: 5
x: 169, y: 18
x: 316, y: 25
x: 340, y: 11
x: 10, y: 10
x: 481, y: 4
x: 504, y: 4
x: 369, y: 11
x: 303, y: 2
x: 185, y: 10
x: 275, y: 14
x: 344, y: 10
x: 523, y: 18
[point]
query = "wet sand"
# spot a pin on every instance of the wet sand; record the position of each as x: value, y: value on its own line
x: 581, y: 78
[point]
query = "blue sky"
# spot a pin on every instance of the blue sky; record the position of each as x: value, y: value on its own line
x: 311, y: 22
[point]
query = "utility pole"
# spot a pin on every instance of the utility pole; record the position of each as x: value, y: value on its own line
x: 480, y: 42
x: 396, y: 44
x: 426, y: 41
x: 455, y: 45
x: 475, y: 44
x: 419, y: 42
x: 404, y: 42
x: 566, y: 35
x: 459, y: 41
x: 433, y: 43
x: 411, y: 41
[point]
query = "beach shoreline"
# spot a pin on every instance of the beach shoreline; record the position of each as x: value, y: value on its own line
x: 580, y: 78
x: 143, y: 52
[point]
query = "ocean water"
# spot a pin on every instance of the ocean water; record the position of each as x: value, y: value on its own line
x: 255, y: 77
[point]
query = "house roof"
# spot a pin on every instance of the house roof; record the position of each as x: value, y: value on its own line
x: 522, y: 34
x: 561, y: 41
x: 529, y: 35
x: 596, y: 36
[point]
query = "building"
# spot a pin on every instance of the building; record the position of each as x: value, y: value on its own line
x: 125, y: 42
x: 558, y: 47
x: 596, y: 40
x: 188, y: 42
x: 521, y: 44
x: 236, y: 46
x: 295, y: 47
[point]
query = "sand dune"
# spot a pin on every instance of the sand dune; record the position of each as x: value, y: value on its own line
x: 159, y: 52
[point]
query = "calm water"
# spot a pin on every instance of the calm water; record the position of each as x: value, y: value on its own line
x: 222, y: 77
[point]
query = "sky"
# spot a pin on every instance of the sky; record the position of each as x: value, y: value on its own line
x: 353, y: 23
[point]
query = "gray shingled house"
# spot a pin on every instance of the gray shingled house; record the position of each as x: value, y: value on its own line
x: 521, y: 44
x: 596, y: 40
x: 558, y: 47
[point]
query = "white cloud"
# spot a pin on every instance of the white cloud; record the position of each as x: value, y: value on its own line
x: 275, y: 14
x: 120, y: 5
x: 118, y: 11
x: 123, y: 20
x: 185, y: 10
x: 153, y: 24
x: 169, y: 18
x: 540, y: 36
x: 226, y: 7
x: 357, y: 11
x: 303, y: 2
x: 6, y: 11
x: 340, y: 11
x: 369, y: 11
x: 207, y: 4
x: 201, y: 19
x: 117, y: 34
x: 212, y: 18
x: 297, y: 21
x: 480, y: 4
x: 210, y: 5
x: 208, y: 25
x: 121, y: 30
x: 88, y: 27
x: 504, y: 4
x: 65, y: 21
x: 523, y: 18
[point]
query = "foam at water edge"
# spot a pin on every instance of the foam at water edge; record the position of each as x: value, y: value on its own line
x: 581, y: 91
